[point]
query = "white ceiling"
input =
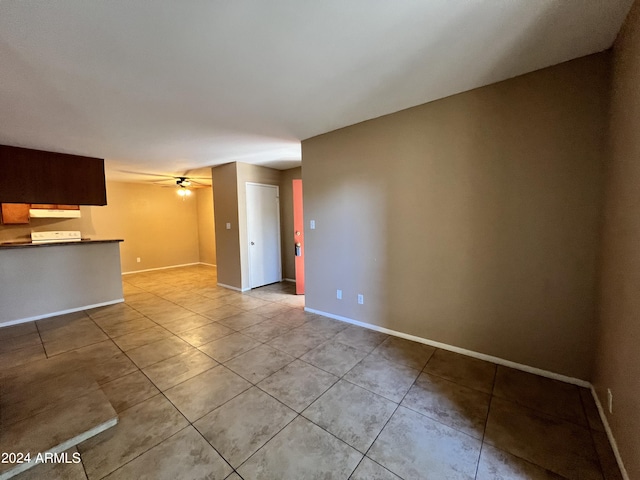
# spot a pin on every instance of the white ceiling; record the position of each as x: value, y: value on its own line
x: 168, y: 86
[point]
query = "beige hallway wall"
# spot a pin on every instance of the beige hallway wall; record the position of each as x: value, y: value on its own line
x: 225, y: 206
x: 229, y: 190
x: 618, y: 359
x: 472, y: 220
x: 156, y: 225
x: 206, y: 227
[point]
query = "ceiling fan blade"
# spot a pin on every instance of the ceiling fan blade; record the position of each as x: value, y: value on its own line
x: 147, y: 174
x: 194, y: 182
x: 197, y: 177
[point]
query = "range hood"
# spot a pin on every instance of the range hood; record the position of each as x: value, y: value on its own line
x: 53, y: 213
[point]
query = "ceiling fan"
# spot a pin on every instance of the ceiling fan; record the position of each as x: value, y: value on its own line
x: 184, y: 182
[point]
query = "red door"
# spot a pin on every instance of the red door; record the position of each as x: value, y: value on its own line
x: 298, y: 234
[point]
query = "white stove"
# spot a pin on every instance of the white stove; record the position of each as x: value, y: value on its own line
x: 56, y: 236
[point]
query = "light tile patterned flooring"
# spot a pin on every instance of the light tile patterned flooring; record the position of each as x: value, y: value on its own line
x: 211, y: 383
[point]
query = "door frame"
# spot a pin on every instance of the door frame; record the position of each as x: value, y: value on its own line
x: 249, y: 230
x: 297, y: 190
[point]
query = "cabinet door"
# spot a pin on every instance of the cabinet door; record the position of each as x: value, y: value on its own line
x: 15, y: 213
x: 32, y: 176
x: 44, y: 206
x: 53, y: 206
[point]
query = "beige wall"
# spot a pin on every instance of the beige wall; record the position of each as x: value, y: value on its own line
x: 618, y: 358
x: 206, y: 229
x: 156, y: 225
x: 472, y: 220
x: 225, y: 205
x: 286, y: 221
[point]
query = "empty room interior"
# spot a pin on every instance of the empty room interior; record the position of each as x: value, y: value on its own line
x: 320, y: 240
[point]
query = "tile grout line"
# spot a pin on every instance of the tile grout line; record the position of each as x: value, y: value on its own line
x: 270, y: 439
x: 535, y: 411
x: 41, y: 340
x: 591, y: 434
x: 138, y: 456
x: 267, y: 393
x: 486, y: 420
x: 391, y: 416
x: 260, y: 342
x: 255, y: 385
x: 160, y: 392
x: 118, y: 413
x: 84, y: 469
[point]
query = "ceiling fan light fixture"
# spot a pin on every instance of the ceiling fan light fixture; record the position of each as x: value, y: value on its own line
x: 184, y: 191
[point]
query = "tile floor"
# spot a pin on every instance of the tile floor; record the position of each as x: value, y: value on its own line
x: 211, y: 383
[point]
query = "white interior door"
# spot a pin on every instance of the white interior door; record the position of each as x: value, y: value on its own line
x: 263, y: 231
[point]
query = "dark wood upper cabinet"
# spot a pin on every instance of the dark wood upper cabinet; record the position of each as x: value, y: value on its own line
x: 36, y: 176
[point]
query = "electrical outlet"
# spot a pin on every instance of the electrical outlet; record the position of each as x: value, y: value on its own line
x: 228, y: 226
x: 339, y: 294
x: 312, y: 224
x: 361, y: 299
x: 138, y: 259
x: 610, y: 400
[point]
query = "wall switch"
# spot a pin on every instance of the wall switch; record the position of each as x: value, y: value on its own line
x: 228, y: 226
x: 361, y: 299
x: 312, y: 224
x: 339, y: 294
x: 138, y: 259
x: 610, y: 400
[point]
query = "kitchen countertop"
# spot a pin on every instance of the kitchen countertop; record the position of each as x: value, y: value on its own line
x: 29, y: 244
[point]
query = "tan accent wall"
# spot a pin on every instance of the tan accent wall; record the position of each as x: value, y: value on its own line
x: 286, y: 221
x: 472, y: 220
x: 155, y: 223
x: 225, y: 206
x: 618, y: 358
x: 206, y: 228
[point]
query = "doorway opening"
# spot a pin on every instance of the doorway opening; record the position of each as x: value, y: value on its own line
x: 263, y: 233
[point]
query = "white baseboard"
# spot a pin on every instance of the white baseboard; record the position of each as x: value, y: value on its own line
x: 610, y: 436
x: 292, y: 280
x: 230, y: 287
x: 208, y: 264
x: 62, y: 312
x: 161, y: 268
x: 498, y: 361
x: 463, y: 351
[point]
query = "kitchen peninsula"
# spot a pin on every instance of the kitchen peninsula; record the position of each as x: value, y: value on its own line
x: 43, y: 280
